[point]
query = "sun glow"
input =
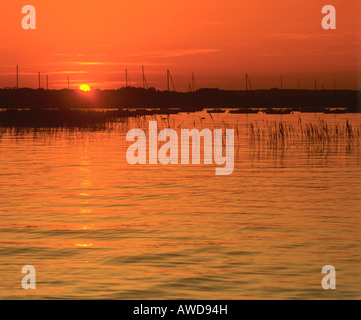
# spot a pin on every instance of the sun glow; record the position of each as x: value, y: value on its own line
x: 84, y: 87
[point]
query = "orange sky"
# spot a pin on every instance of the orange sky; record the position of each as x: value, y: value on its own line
x: 94, y: 41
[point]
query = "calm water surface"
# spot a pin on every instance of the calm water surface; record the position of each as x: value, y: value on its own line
x: 97, y: 227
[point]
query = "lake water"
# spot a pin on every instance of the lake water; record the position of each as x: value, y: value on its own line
x: 94, y: 226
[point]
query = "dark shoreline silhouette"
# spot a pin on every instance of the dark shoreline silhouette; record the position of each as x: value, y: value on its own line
x: 131, y: 97
x: 25, y: 106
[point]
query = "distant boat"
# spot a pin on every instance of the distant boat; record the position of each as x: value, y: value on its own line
x: 244, y: 110
x: 279, y: 111
x: 216, y: 111
x: 336, y: 111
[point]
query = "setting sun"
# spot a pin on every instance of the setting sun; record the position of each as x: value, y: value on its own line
x: 84, y: 87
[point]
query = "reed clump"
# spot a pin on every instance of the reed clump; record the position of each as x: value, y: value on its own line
x: 321, y: 131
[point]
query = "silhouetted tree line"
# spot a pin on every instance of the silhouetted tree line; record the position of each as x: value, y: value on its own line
x: 131, y: 97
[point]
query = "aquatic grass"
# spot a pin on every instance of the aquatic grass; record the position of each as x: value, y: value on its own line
x: 321, y: 131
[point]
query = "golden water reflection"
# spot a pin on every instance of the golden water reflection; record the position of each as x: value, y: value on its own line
x: 96, y: 227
